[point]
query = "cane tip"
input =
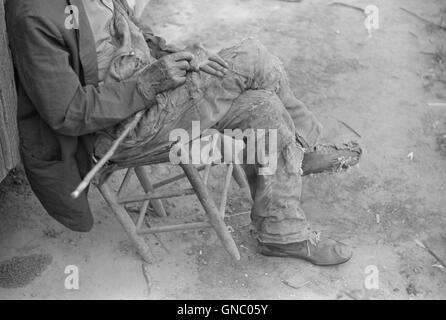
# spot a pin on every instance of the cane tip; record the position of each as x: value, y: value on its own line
x: 75, y: 194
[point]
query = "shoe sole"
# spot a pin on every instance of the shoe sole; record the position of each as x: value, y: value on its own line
x: 269, y: 253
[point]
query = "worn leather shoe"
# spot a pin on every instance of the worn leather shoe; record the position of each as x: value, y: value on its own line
x: 319, y: 252
x: 323, y: 158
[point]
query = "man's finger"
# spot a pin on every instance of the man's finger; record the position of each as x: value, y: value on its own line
x: 183, y: 65
x: 216, y: 58
x: 212, y: 71
x: 181, y: 72
x: 180, y: 80
x: 216, y: 66
x: 183, y: 55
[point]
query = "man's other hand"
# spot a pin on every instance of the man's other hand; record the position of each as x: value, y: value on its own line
x: 215, y: 66
x: 207, y: 61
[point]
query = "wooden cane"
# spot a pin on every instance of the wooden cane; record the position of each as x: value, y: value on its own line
x: 87, y: 180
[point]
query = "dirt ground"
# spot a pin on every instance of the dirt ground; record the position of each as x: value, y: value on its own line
x: 383, y: 87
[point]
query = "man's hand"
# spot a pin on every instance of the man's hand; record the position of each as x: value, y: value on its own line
x: 207, y: 61
x: 168, y: 73
x: 215, y: 66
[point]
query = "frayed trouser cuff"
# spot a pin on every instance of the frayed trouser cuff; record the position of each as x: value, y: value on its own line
x: 282, y: 239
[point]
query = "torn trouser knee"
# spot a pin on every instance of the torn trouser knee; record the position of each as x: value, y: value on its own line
x: 260, y: 69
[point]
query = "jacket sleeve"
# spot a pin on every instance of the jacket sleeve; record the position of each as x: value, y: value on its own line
x: 42, y: 62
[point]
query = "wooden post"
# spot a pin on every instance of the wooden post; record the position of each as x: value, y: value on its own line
x: 9, y: 142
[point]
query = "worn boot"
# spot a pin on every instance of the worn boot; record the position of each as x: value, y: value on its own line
x: 319, y: 252
x: 332, y: 158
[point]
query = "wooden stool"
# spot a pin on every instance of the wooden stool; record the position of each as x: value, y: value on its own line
x: 135, y: 229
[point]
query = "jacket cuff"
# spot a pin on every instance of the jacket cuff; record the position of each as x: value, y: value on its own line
x: 146, y: 92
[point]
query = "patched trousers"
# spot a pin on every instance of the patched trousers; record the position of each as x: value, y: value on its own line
x: 254, y: 94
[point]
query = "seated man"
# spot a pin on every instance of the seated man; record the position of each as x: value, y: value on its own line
x: 74, y: 83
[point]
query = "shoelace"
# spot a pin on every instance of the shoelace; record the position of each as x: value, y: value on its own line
x: 314, y: 239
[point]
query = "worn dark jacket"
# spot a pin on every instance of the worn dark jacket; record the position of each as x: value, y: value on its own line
x: 60, y: 104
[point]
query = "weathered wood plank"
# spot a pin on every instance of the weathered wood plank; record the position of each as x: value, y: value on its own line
x: 9, y: 142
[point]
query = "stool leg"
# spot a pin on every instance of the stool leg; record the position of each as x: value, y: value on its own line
x: 207, y: 172
x: 224, y: 197
x: 126, y: 222
x: 211, y: 209
x: 125, y: 182
x: 239, y: 176
x: 148, y: 187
